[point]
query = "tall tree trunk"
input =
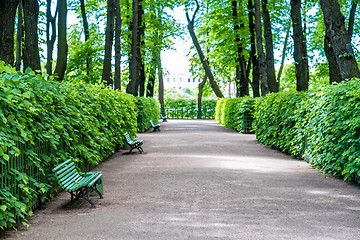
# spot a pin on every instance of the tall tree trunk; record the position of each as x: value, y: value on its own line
x: 201, y: 87
x: 284, y: 52
x: 86, y: 33
x: 351, y: 21
x: 204, y: 61
x: 141, y: 40
x: 118, y: 24
x: 260, y: 50
x: 254, y: 59
x: 7, y: 28
x: 161, y: 87
x: 336, y: 30
x: 50, y: 39
x: 134, y: 66
x: 242, y: 88
x: 31, y: 48
x: 300, y: 52
x: 19, y: 37
x: 151, y: 81
x: 109, y: 38
x: 270, y: 69
x: 62, y: 43
x: 334, y: 71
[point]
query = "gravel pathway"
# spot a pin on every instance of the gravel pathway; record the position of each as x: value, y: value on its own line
x: 199, y: 180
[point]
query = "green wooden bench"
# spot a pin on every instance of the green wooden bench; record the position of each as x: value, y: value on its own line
x: 78, y: 184
x: 155, y: 126
x: 164, y: 118
x: 133, y: 144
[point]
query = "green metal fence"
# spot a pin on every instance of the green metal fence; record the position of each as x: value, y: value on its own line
x: 189, y: 113
x: 24, y: 164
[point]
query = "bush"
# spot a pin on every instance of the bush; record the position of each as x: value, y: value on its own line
x: 236, y: 113
x: 187, y: 108
x: 322, y: 126
x: 279, y: 121
x: 45, y: 122
x: 333, y: 131
x: 147, y: 109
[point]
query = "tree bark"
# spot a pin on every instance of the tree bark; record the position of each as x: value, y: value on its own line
x: 260, y: 50
x: 7, y: 28
x: 334, y: 71
x: 336, y: 30
x: 300, y: 52
x: 151, y: 81
x: 201, y: 87
x: 204, y: 62
x: 109, y: 38
x: 284, y: 52
x: 86, y: 33
x: 140, y: 50
x: 269, y: 47
x: 62, y: 43
x: 351, y: 21
x: 19, y: 37
x: 118, y: 24
x: 50, y: 38
x: 134, y: 66
x: 161, y: 87
x: 254, y: 60
x: 31, y: 48
x: 242, y: 83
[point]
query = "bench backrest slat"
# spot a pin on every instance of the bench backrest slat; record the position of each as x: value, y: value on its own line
x: 69, y: 177
x: 67, y: 172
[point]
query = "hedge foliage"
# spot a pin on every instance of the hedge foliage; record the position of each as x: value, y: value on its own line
x: 279, y: 121
x: 322, y: 126
x: 188, y: 109
x: 147, y: 109
x: 235, y: 113
x: 75, y: 120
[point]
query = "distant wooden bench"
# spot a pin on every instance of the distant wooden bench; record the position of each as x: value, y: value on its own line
x: 133, y: 144
x: 78, y: 184
x: 155, y: 126
x: 164, y: 118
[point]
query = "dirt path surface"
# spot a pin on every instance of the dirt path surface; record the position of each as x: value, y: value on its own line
x: 199, y: 180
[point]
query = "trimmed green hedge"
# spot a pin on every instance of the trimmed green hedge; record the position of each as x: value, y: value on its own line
x: 188, y: 109
x: 322, y: 126
x: 147, y: 109
x: 44, y: 122
x: 279, y: 121
x: 333, y: 130
x: 236, y: 113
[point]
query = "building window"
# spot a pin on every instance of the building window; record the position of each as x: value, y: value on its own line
x: 174, y: 79
x: 194, y: 80
x: 199, y: 80
x: 168, y: 79
x: 180, y: 79
x: 188, y: 79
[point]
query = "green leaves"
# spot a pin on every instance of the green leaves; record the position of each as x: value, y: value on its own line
x: 236, y: 113
x: 322, y: 126
x: 147, y: 109
x: 44, y: 122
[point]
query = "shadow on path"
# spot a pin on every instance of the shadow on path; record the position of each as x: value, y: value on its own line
x: 199, y: 180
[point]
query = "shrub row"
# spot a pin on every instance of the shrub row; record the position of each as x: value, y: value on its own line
x: 322, y: 126
x: 147, y: 109
x: 188, y: 109
x: 75, y: 120
x: 235, y: 113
